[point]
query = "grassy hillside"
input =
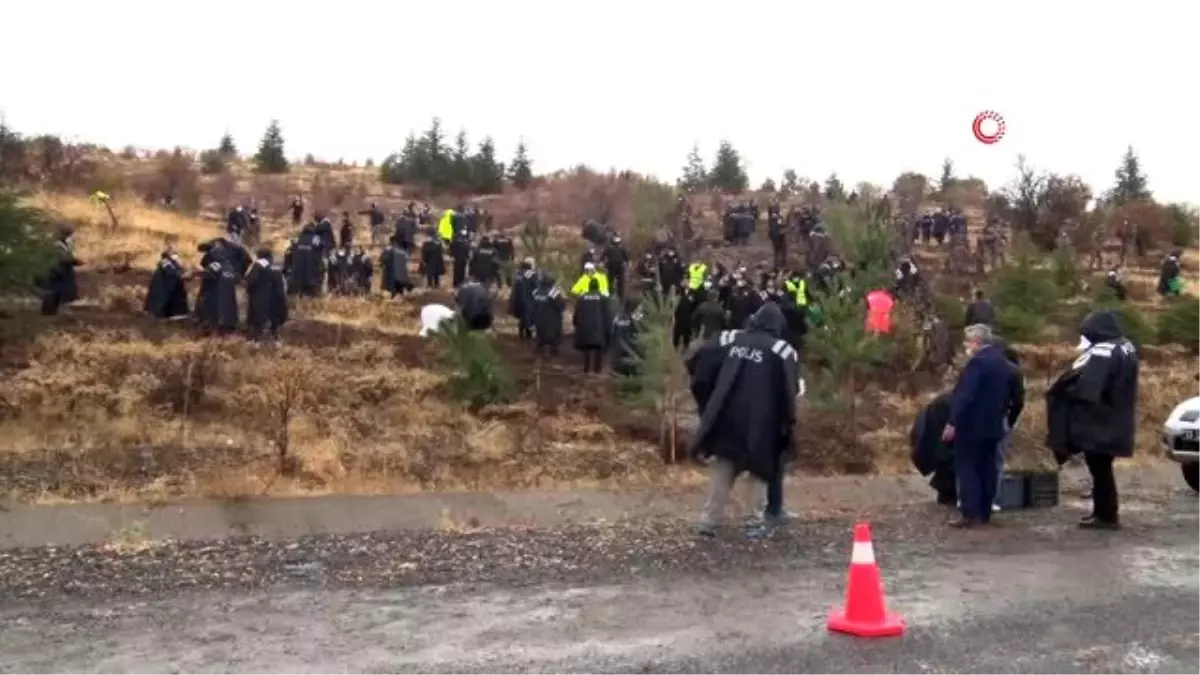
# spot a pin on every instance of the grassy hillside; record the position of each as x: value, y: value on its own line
x: 103, y: 402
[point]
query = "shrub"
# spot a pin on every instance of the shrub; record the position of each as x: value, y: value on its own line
x: 1025, y: 296
x: 479, y: 374
x: 1178, y: 323
x: 1183, y: 221
x: 212, y: 162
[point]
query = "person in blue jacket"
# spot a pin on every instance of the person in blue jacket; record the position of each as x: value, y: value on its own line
x: 978, y: 411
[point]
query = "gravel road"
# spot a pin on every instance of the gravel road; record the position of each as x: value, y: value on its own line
x: 1034, y: 594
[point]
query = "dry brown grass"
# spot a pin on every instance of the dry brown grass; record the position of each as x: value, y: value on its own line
x: 108, y: 404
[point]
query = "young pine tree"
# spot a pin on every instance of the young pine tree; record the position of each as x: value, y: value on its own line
x: 728, y: 173
x: 487, y: 175
x: 226, y: 148
x: 947, y: 180
x: 26, y: 247
x: 270, y: 157
x: 1131, y: 181
x: 661, y: 382
x: 460, y: 164
x: 520, y: 172
x: 695, y: 174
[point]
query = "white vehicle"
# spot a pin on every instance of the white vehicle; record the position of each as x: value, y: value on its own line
x: 1181, y: 435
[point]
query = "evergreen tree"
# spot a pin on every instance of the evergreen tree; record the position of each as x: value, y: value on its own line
x: 834, y: 190
x: 948, y: 178
x: 270, y: 157
x: 26, y: 246
x: 460, y: 164
x: 1131, y: 182
x: 226, y: 148
x: 487, y: 175
x: 728, y: 174
x: 791, y: 182
x: 520, y: 172
x: 436, y: 159
x: 695, y: 175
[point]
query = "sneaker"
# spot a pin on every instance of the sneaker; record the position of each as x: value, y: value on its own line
x: 995, y: 508
x: 1093, y: 523
x: 964, y: 523
x: 785, y: 516
x: 707, y: 531
x: 756, y: 530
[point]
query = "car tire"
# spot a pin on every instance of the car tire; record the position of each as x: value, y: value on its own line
x: 1191, y: 474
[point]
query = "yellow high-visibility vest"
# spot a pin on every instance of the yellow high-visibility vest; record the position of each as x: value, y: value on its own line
x: 799, y: 291
x: 585, y: 283
x: 696, y: 272
x: 446, y: 225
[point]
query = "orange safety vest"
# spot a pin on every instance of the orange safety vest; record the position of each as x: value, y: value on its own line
x: 879, y: 312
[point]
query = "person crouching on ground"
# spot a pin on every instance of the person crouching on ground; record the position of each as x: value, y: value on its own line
x: 475, y: 304
x: 745, y: 386
x: 1092, y: 409
x: 978, y: 412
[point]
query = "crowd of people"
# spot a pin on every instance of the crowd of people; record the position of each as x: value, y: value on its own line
x: 748, y: 326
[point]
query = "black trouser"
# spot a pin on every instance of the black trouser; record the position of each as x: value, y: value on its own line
x: 681, y: 335
x: 618, y: 279
x: 775, y: 492
x: 482, y: 322
x: 524, y: 330
x: 547, y: 349
x: 779, y: 247
x: 1104, y: 486
x: 593, y: 359
x: 459, y: 273
x: 433, y: 280
x: 50, y: 303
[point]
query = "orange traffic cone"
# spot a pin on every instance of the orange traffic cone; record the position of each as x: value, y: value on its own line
x: 866, y: 612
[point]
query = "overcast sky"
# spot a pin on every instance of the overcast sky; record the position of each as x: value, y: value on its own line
x: 867, y: 89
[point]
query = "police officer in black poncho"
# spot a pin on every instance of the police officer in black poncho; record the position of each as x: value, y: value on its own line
x: 322, y: 236
x: 433, y: 260
x: 394, y: 263
x: 484, y: 265
x: 166, y: 297
x: 549, y: 304
x: 267, y: 298
x: 592, y: 322
x: 475, y: 304
x: 1092, y: 409
x: 745, y: 384
x: 217, y: 304
x: 305, y: 277
x: 616, y: 259
x: 460, y: 253
x: 362, y: 269
x: 506, y: 252
x: 406, y: 230
x: 625, y: 351
x: 520, y: 301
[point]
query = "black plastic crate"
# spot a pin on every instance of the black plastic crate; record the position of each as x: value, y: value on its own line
x: 1041, y: 489
x: 1013, y: 491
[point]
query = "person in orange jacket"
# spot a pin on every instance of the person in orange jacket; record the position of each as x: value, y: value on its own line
x: 879, y: 312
